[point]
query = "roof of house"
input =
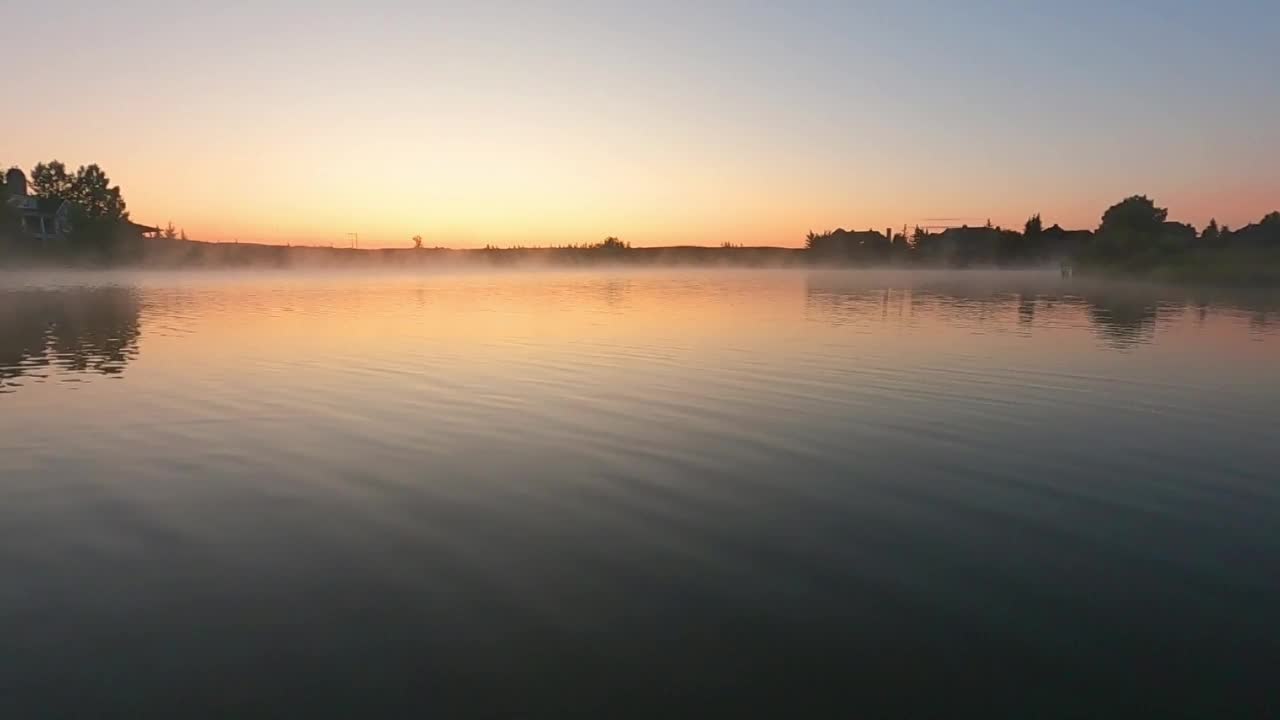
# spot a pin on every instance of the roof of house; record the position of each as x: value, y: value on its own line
x: 967, y: 231
x: 844, y: 235
x: 138, y: 227
x: 1057, y: 230
x: 37, y: 205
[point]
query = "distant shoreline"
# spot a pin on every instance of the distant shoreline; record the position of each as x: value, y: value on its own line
x: 1257, y: 270
x: 167, y: 253
x: 41, y: 227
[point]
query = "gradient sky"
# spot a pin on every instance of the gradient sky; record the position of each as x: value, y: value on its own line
x: 660, y: 122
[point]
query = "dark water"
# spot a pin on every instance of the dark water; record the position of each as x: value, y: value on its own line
x: 649, y: 494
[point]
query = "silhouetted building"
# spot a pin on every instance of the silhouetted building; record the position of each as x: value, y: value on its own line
x: 1059, y: 243
x: 143, y: 230
x: 849, y: 243
x: 963, y: 236
x: 47, y: 219
x: 42, y: 218
x: 965, y: 245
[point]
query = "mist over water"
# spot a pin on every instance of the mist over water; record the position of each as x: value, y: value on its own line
x: 635, y: 492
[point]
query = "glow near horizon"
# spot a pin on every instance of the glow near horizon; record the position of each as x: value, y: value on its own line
x: 665, y: 123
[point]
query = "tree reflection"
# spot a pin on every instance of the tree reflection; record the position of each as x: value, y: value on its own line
x: 85, y: 330
x: 1026, y: 310
x: 1121, y: 315
x: 1122, y: 320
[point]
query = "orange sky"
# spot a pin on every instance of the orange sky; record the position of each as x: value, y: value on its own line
x: 514, y: 124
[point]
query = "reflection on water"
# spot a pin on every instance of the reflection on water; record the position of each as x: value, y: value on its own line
x: 1123, y: 320
x: 71, y: 330
x: 1026, y: 311
x: 662, y: 493
x: 95, y: 330
x: 1122, y: 315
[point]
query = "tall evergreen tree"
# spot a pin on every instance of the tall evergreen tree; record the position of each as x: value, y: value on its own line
x: 1034, y: 227
x: 1211, y: 234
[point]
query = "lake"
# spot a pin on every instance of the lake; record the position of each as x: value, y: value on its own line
x: 636, y: 493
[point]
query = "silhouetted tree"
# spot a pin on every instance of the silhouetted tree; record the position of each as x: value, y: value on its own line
x: 97, y: 207
x: 1263, y: 234
x: 1134, y: 214
x: 1034, y: 228
x: 611, y: 243
x: 924, y: 244
x: 1269, y: 227
x: 1130, y: 234
x: 1027, y: 246
x: 170, y: 232
x: 1183, y: 232
x: 95, y: 197
x: 417, y: 242
x: 182, y: 235
x: 900, y: 246
x: 50, y: 180
x: 1211, y: 235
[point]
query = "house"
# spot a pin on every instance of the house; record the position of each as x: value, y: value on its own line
x: 42, y: 218
x: 47, y: 219
x: 850, y: 243
x: 966, y: 245
x: 1060, y: 243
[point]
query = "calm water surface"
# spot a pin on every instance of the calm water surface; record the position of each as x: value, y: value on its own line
x: 641, y: 493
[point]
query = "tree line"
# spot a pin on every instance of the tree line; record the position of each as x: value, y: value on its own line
x: 1134, y: 235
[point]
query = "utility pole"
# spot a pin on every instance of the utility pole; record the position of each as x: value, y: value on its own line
x: 355, y: 239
